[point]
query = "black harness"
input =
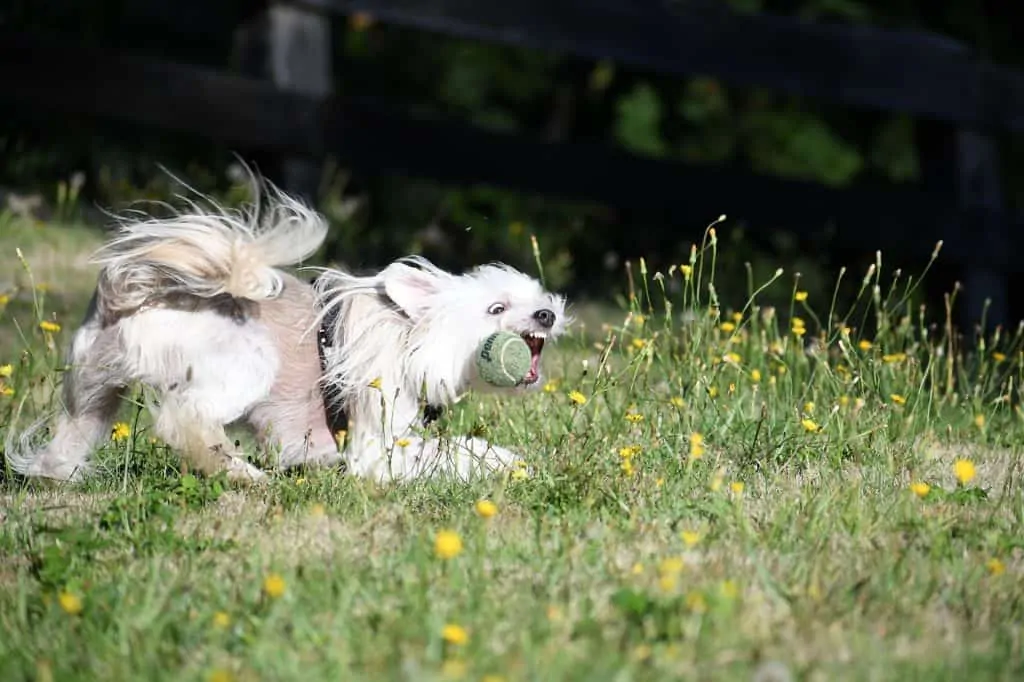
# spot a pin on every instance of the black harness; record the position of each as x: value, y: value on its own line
x: 337, y: 417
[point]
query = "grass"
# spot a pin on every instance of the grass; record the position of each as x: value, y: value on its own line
x: 765, y: 492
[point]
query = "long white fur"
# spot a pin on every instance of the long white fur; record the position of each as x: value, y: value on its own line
x: 207, y: 368
x: 208, y: 252
x: 409, y: 334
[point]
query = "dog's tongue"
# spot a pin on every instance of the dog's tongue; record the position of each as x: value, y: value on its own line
x: 534, y: 372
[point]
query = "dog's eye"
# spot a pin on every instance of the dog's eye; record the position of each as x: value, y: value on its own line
x: 496, y: 309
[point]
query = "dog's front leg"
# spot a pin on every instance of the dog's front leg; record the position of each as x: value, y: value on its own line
x: 412, y: 457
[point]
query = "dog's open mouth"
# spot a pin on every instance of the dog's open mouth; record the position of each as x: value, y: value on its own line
x: 536, y: 344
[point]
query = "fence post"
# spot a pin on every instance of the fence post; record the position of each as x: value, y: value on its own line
x: 291, y: 47
x: 980, y: 189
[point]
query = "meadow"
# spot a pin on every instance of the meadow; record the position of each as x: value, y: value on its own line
x: 716, y: 490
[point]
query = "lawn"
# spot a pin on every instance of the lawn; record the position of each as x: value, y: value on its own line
x: 717, y: 490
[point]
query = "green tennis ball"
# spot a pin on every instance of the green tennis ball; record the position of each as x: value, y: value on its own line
x: 503, y: 359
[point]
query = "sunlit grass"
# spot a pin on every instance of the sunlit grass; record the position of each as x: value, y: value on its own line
x: 826, y: 488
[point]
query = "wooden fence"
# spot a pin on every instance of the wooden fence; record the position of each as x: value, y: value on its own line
x: 291, y: 111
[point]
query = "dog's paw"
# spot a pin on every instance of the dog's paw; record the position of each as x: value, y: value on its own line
x: 240, y: 471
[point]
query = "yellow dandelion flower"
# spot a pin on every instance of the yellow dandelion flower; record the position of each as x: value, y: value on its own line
x: 577, y: 397
x: 727, y: 327
x: 6, y: 391
x: 70, y: 603
x: 979, y: 421
x: 800, y: 296
x: 864, y: 344
x: 221, y: 620
x: 627, y: 468
x: 797, y: 322
x: 639, y: 343
x: 4, y: 300
x: 696, y: 445
x: 809, y: 406
x: 920, y: 488
x: 520, y: 471
x: 964, y: 470
x: 671, y: 566
x: 6, y: 370
x: 713, y: 392
x: 898, y: 399
x: 995, y: 566
x: 891, y: 358
x: 634, y: 418
x: 447, y: 544
x: 220, y: 675
x: 376, y: 383
x: 755, y: 376
x: 485, y: 509
x: 678, y: 402
x: 637, y: 569
x: 48, y: 326
x: 687, y: 270
x: 120, y: 431
x: 844, y: 400
x: 668, y: 582
x: 403, y: 442
x: 274, y: 586
x: 454, y: 634
x: 734, y: 358
x: 453, y: 669
x: 550, y: 386
x: 695, y: 602
x: 660, y: 481
x: 998, y: 357
x: 690, y: 537
x: 736, y: 487
x: 799, y: 331
x: 810, y: 425
x: 736, y: 317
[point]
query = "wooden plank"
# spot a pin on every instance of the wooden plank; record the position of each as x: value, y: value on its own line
x: 921, y: 74
x: 61, y: 78
x: 374, y: 138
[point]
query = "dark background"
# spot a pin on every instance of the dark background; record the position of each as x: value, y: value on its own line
x: 554, y: 97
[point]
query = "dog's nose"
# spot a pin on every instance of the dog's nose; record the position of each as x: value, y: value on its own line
x: 545, y: 317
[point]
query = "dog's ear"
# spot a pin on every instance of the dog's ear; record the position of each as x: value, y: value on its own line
x: 410, y: 288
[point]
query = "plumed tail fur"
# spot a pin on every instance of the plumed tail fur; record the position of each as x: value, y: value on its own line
x: 208, y: 251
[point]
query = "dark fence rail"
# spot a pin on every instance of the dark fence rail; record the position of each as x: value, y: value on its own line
x: 914, y: 73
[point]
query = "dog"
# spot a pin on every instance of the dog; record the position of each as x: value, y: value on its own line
x: 197, y: 308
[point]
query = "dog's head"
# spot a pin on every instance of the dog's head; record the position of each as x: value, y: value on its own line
x: 453, y: 314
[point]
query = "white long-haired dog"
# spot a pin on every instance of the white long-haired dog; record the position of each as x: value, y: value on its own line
x: 196, y: 308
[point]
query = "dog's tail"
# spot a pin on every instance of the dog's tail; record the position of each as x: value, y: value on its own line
x: 208, y: 252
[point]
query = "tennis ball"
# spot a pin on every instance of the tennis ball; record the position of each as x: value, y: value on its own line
x: 503, y: 359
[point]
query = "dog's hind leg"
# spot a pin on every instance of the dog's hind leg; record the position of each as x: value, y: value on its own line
x: 210, y: 371
x: 90, y: 394
x: 202, y: 443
